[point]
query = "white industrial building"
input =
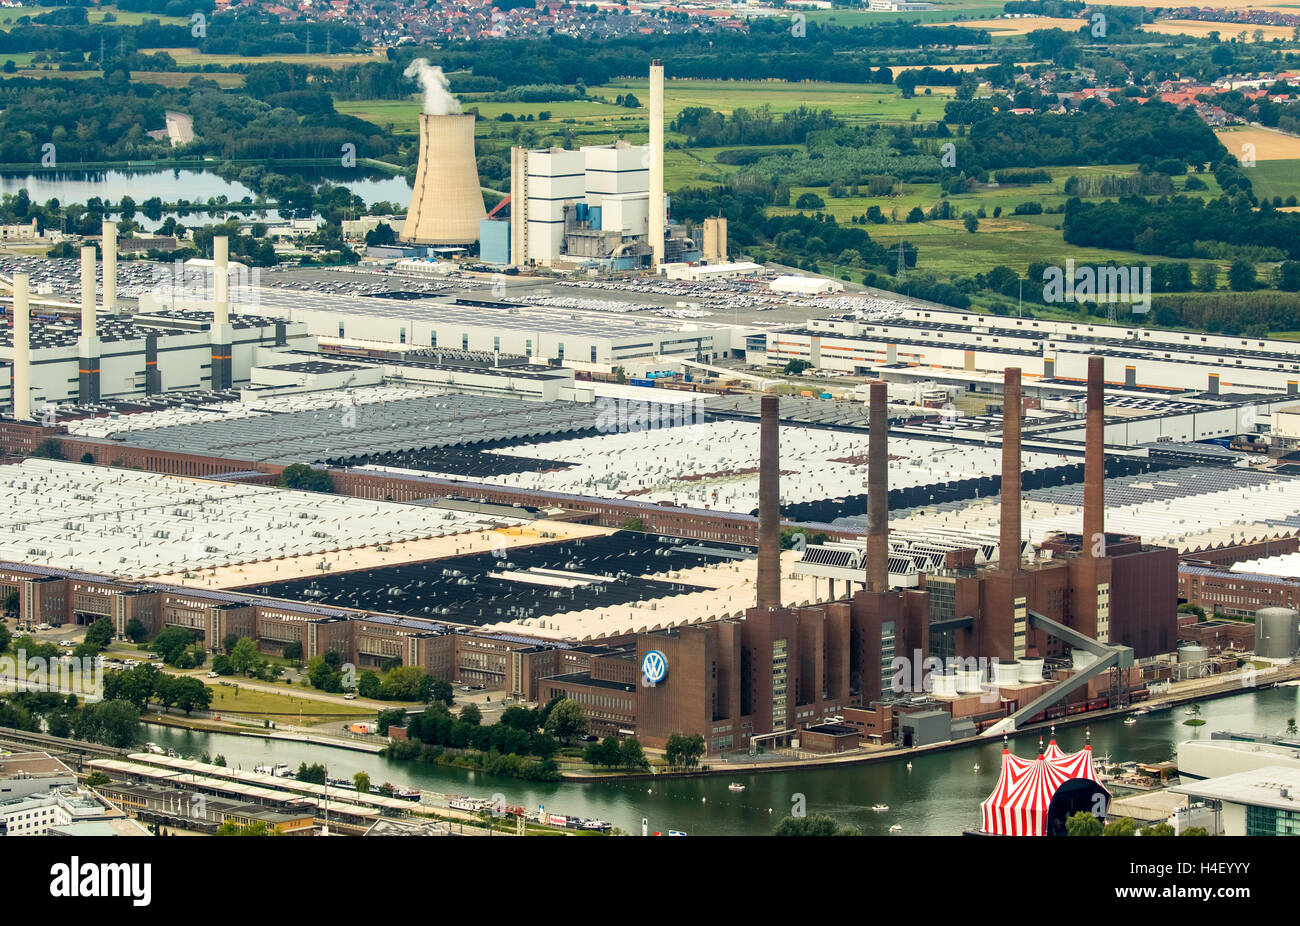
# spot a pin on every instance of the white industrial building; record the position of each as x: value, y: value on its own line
x: 936, y: 341
x: 1260, y: 802
x: 593, y: 203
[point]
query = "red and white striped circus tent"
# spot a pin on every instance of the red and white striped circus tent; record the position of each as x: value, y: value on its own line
x: 1019, y: 803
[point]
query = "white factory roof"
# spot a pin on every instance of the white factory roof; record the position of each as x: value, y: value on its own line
x: 807, y: 286
x: 1273, y: 786
x: 251, y: 406
x: 133, y: 524
x: 1284, y: 566
x: 715, y: 465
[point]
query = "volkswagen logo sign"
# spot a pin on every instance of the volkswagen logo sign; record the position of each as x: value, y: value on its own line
x: 654, y: 667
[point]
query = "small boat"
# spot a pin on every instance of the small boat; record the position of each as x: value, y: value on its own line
x: 154, y: 748
x: 470, y: 806
x: 597, y: 826
x: 735, y: 786
x: 409, y: 794
x: 977, y: 766
x: 1190, y: 712
x: 909, y: 766
x: 896, y: 828
x: 1129, y: 721
x: 879, y: 808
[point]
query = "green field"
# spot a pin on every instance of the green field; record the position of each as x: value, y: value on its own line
x: 10, y: 15
x: 1276, y: 178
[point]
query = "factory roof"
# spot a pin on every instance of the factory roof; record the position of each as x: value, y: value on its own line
x: 126, y: 522
x: 1274, y: 786
x: 463, y: 314
x: 341, y: 431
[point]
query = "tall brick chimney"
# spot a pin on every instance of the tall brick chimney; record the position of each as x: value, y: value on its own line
x: 769, y: 504
x: 878, y: 489
x: 1009, y: 540
x: 1094, y: 462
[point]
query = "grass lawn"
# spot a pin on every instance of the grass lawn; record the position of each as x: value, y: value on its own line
x: 1275, y: 178
x: 284, y: 707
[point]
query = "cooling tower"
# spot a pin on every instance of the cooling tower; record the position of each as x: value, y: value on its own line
x: 446, y: 204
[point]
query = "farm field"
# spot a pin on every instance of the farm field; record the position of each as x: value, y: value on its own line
x: 997, y: 26
x: 10, y: 15
x: 1276, y: 178
x: 1202, y: 29
x: 1269, y: 145
x: 192, y: 56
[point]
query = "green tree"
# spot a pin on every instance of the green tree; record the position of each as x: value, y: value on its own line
x: 603, y: 754
x: 256, y: 828
x: 1123, y: 826
x: 1196, y: 831
x: 471, y: 715
x: 113, y: 723
x: 819, y: 824
x: 49, y: 449
x: 796, y: 367
x: 632, y: 756
x: 633, y: 524
x: 135, y: 630
x: 567, y: 721
x: 971, y: 222
x: 96, y: 779
x: 1157, y: 829
x: 362, y: 782
x: 1083, y: 824
x: 1241, y: 276
x: 1207, y: 278
x: 301, y: 476
x: 312, y: 774
x: 293, y: 651
x: 683, y: 751
x: 244, y: 656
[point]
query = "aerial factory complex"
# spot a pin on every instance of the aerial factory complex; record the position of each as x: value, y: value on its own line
x: 585, y: 450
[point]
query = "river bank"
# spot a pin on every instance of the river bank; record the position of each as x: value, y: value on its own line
x: 1193, y: 691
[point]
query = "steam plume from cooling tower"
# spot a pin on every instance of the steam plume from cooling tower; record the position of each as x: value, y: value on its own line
x: 438, y: 100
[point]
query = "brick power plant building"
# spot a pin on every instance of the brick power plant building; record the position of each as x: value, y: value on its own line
x: 779, y: 670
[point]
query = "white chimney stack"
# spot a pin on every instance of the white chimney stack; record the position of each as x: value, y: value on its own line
x: 88, y: 346
x: 656, y: 230
x: 222, y: 335
x: 87, y: 295
x: 22, y: 350
x: 110, y: 267
x: 220, y: 280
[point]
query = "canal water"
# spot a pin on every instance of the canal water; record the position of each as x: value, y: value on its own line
x: 939, y: 795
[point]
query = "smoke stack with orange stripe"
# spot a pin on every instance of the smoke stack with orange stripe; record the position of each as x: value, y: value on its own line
x: 88, y: 345
x: 222, y: 334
